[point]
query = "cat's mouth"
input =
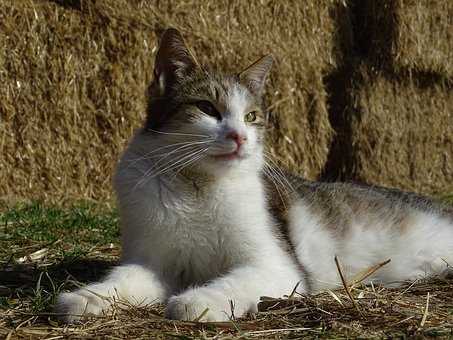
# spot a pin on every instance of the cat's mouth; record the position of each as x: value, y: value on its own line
x: 228, y: 156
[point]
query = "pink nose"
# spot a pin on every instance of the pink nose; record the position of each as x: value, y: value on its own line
x: 238, y: 138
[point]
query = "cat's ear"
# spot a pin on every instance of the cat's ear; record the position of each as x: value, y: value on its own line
x: 255, y: 75
x: 173, y: 60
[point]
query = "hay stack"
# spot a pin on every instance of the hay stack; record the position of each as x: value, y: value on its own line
x: 72, y: 88
x: 74, y: 74
x: 414, y: 35
x: 402, y: 134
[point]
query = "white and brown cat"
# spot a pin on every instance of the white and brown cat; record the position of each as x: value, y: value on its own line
x: 202, y: 228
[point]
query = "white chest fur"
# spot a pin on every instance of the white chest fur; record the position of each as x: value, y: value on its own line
x: 190, y: 234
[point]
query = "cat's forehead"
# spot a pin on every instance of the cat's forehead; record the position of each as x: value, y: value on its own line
x: 219, y: 88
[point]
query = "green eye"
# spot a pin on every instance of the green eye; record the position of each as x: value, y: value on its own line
x: 250, y: 117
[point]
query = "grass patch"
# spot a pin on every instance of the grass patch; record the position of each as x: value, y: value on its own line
x: 83, y: 223
x: 26, y: 229
x: 44, y: 249
x: 448, y: 199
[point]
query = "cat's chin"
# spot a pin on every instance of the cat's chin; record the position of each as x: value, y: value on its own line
x: 218, y: 167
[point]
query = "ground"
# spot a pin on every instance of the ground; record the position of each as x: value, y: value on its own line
x: 45, y: 249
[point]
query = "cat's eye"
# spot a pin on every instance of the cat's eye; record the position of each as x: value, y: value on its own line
x: 208, y: 108
x: 250, y: 117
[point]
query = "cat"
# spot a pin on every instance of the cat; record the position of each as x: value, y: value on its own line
x: 208, y: 227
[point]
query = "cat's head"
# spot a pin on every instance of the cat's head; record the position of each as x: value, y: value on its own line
x: 202, y: 119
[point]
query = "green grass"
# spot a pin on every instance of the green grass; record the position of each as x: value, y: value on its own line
x: 43, y: 249
x: 448, y: 198
x: 69, y: 232
x: 83, y: 223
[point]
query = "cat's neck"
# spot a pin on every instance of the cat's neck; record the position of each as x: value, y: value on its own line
x: 200, y: 181
x: 189, y: 179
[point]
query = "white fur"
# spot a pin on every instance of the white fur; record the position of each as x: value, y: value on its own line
x: 420, y: 251
x: 214, y: 248
x: 131, y: 283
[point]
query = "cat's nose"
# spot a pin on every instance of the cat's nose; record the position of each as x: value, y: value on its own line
x: 237, y: 137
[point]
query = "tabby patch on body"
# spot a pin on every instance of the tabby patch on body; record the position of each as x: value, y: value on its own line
x: 208, y: 224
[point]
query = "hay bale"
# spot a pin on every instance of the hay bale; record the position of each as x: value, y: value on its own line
x: 410, y: 34
x: 74, y: 74
x: 401, y: 134
x: 72, y: 88
x: 424, y: 37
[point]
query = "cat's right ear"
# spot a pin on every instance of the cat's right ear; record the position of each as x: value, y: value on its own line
x: 173, y: 61
x: 255, y: 75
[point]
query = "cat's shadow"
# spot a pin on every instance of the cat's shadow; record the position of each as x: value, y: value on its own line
x: 62, y: 275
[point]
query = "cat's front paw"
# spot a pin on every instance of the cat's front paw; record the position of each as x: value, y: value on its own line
x: 73, y: 307
x: 197, y: 305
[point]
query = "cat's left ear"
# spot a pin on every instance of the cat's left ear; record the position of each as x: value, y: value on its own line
x: 255, y: 75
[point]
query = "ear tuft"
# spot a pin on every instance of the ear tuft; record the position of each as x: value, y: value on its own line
x: 255, y: 75
x: 173, y: 60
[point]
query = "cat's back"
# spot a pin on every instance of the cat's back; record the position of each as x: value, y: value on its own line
x: 355, y: 200
x: 337, y: 204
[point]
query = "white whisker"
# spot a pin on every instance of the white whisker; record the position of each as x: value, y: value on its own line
x: 274, y: 181
x: 165, y: 156
x: 278, y: 172
x: 178, y: 133
x: 194, y: 159
x: 154, y: 169
x: 172, y: 165
x: 148, y: 155
x: 168, y: 166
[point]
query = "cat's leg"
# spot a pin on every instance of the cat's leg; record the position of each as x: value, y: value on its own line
x: 423, y: 250
x: 130, y: 282
x: 236, y: 293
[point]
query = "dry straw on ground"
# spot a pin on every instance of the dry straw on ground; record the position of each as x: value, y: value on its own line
x: 418, y: 308
x: 74, y: 74
x: 401, y: 133
x: 423, y: 310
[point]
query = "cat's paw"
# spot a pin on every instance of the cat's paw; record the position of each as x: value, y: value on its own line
x: 73, y: 307
x: 197, y: 305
